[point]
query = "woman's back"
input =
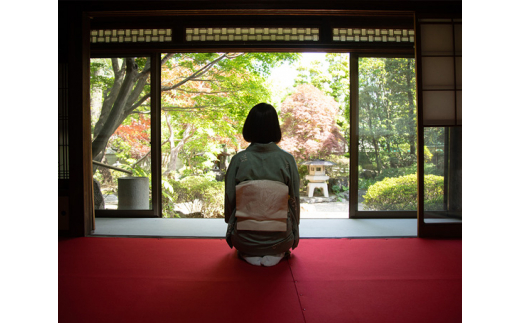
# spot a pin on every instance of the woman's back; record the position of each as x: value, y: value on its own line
x: 262, y: 161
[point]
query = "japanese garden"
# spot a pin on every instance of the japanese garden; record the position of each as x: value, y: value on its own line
x: 205, y: 98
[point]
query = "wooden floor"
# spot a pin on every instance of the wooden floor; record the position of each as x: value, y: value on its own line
x: 216, y: 228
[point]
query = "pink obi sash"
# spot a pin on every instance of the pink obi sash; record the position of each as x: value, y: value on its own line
x: 262, y: 205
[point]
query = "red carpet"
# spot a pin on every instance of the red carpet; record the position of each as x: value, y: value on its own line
x: 202, y: 280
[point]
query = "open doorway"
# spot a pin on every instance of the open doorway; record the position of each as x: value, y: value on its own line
x: 205, y: 98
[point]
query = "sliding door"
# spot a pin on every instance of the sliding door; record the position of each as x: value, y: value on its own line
x: 123, y: 120
x: 384, y: 123
x: 439, y: 75
x: 443, y: 175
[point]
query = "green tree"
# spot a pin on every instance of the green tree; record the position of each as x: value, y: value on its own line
x: 309, y: 128
x: 126, y: 88
x: 214, y: 106
x: 203, y: 87
x: 387, y: 111
x: 315, y: 74
x: 331, y: 76
x: 339, y: 70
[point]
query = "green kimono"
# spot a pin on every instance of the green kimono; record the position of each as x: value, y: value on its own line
x: 263, y: 162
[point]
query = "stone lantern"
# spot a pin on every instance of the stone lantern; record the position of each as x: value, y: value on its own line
x: 317, y: 177
x: 220, y: 165
x: 223, y: 158
x: 110, y: 156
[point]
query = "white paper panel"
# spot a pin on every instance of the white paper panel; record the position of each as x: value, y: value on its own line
x: 436, y: 39
x: 458, y: 72
x: 373, y: 35
x: 240, y: 34
x: 434, y: 20
x: 130, y: 35
x: 458, y: 39
x: 438, y: 108
x: 438, y: 73
x: 459, y: 108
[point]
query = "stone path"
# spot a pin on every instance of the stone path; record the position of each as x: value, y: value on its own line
x: 332, y: 210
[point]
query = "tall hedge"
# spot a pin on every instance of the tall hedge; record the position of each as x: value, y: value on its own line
x: 400, y: 193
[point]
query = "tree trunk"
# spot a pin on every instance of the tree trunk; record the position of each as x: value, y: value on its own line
x: 121, y: 106
x: 411, y: 108
x: 117, y: 112
x: 125, y: 96
x: 175, y: 149
x: 119, y: 74
x: 375, y: 144
x: 378, y: 159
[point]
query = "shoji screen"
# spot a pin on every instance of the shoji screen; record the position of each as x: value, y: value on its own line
x: 441, y: 71
x: 439, y: 111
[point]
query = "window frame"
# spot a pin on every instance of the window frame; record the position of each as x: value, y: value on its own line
x: 354, y: 212
x: 424, y: 229
x: 155, y: 137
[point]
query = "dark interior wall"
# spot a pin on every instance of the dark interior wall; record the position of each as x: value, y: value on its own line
x: 73, y: 52
x: 73, y: 58
x: 435, y: 6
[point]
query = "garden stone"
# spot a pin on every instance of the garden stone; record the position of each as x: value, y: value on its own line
x: 111, y: 199
x: 343, y: 195
x: 317, y: 199
x: 340, y: 180
x: 99, y: 202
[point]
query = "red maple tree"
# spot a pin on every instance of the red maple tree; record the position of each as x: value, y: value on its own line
x: 136, y: 135
x: 309, y: 128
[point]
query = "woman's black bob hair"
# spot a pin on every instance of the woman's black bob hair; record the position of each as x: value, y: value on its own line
x: 262, y: 125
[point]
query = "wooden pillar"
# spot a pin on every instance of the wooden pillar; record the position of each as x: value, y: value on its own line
x: 81, y: 208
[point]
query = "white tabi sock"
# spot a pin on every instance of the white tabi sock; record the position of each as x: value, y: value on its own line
x: 271, y: 260
x: 257, y: 261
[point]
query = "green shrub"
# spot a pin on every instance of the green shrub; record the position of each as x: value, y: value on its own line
x: 338, y: 190
x: 209, y: 192
x: 366, y: 183
x: 169, y: 198
x: 429, y: 169
x: 400, y: 193
x: 427, y: 155
x: 396, y: 172
x: 303, y: 170
x: 432, y: 169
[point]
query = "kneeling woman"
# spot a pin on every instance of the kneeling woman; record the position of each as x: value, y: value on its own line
x: 262, y: 204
